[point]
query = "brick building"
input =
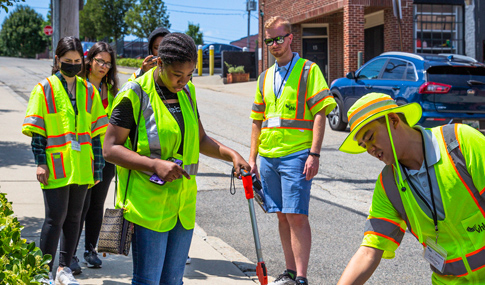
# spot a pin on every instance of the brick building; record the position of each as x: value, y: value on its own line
x: 333, y: 33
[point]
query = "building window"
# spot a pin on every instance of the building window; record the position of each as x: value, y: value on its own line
x: 438, y: 28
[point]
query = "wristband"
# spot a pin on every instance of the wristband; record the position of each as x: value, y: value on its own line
x: 314, y: 154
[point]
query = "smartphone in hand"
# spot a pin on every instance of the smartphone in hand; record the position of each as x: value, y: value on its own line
x: 156, y: 179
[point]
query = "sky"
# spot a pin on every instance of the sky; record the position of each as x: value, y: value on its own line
x: 220, y: 21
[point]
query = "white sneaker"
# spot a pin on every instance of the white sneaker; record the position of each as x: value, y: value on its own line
x: 189, y: 260
x: 64, y: 277
x: 47, y: 281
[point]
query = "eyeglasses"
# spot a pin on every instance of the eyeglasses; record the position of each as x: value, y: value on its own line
x: 103, y: 63
x: 279, y: 40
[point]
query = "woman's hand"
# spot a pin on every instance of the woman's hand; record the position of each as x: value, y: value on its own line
x: 148, y: 63
x: 42, y: 173
x: 169, y: 171
x: 238, y: 163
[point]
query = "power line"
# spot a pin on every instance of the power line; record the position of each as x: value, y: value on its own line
x: 196, y: 7
x: 199, y: 13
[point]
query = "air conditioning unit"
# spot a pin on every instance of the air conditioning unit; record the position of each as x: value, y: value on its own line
x: 251, y: 5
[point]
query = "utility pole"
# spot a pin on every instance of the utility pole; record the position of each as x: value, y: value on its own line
x: 65, y: 18
x: 250, y: 6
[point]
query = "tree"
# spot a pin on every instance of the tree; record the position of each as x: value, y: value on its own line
x: 195, y: 33
x: 22, y: 33
x: 5, y: 3
x: 87, y: 21
x: 146, y: 16
x: 111, y: 23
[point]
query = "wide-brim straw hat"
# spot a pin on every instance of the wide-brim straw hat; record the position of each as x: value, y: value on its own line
x: 371, y: 107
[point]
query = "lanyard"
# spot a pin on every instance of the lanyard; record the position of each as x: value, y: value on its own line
x: 283, y: 80
x: 433, y: 210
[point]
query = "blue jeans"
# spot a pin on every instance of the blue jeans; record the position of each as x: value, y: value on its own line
x: 159, y: 257
x: 285, y: 187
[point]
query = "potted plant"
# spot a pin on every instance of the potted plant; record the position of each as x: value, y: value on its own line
x: 236, y: 73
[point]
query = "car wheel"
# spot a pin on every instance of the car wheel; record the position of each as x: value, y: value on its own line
x: 335, y: 117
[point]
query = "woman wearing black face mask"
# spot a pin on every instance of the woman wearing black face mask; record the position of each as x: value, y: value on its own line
x: 65, y: 118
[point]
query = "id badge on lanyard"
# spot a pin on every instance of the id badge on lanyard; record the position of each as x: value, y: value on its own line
x: 435, y: 254
x: 274, y: 120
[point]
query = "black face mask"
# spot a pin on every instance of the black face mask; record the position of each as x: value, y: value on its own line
x: 70, y: 70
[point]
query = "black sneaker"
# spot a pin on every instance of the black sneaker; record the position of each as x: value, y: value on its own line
x: 301, y: 281
x: 75, y: 268
x: 91, y: 258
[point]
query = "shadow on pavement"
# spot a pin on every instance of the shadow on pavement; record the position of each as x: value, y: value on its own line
x: 211, y: 268
x: 15, y: 153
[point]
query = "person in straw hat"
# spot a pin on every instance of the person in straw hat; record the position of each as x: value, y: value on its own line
x: 433, y: 184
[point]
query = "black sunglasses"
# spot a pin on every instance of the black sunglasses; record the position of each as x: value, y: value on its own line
x: 279, y: 40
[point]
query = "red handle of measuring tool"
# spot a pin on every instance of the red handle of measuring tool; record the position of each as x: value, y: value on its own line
x: 262, y: 273
x: 247, y: 183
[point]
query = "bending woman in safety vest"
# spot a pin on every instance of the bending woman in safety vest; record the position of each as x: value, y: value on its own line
x: 65, y: 118
x: 168, y: 128
x: 101, y: 73
x: 433, y: 184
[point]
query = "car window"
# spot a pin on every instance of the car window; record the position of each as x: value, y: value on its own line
x: 410, y: 72
x: 372, y: 69
x: 457, y: 75
x: 394, y: 70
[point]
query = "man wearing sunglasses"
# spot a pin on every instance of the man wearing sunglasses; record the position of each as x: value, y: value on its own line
x: 292, y: 100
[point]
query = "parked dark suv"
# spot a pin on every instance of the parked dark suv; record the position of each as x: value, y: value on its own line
x: 218, y: 49
x: 450, y: 88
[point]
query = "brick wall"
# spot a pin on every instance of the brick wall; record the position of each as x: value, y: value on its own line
x: 391, y: 28
x: 353, y: 34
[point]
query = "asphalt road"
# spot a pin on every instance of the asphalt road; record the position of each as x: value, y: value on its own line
x: 341, y: 192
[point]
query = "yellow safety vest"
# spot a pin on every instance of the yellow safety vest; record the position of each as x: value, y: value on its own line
x: 304, y: 94
x: 461, y: 233
x: 148, y: 204
x: 50, y: 114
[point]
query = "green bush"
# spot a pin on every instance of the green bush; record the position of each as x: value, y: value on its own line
x: 234, y: 69
x: 131, y: 62
x: 20, y: 262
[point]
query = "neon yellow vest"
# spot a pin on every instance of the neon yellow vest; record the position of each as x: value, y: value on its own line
x: 50, y: 114
x: 148, y: 204
x: 462, y: 232
x: 295, y: 132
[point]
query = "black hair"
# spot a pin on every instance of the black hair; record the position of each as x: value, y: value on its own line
x: 177, y: 47
x: 110, y: 77
x: 158, y: 32
x: 65, y: 45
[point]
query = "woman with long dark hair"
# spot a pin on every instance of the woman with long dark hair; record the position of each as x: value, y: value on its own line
x: 101, y: 73
x: 65, y: 118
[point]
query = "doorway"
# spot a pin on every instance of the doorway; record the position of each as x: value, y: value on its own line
x: 373, y: 42
x: 316, y: 50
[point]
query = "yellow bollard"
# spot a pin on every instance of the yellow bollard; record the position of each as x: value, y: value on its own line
x: 211, y: 60
x: 199, y: 60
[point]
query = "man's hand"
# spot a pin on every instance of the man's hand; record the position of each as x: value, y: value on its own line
x: 311, y: 167
x: 42, y: 173
x: 254, y: 168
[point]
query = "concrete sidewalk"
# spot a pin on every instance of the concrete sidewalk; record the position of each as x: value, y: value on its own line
x: 213, y: 261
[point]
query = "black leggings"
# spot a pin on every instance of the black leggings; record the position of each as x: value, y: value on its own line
x: 63, y: 208
x: 93, y: 209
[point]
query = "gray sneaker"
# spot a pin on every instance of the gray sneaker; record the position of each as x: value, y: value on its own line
x: 64, y: 277
x: 283, y: 279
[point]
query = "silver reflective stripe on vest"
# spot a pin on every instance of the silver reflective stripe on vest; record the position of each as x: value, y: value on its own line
x: 36, y: 121
x: 476, y: 260
x: 453, y: 149
x: 455, y: 268
x: 258, y: 108
x: 300, y: 111
x: 49, y: 96
x: 318, y: 97
x: 58, y: 165
x: 262, y: 78
x: 192, y: 168
x: 292, y: 124
x: 64, y: 139
x: 89, y: 97
x: 103, y: 121
x: 384, y: 227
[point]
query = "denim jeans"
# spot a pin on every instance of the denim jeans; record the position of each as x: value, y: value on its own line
x: 159, y: 257
x: 285, y: 187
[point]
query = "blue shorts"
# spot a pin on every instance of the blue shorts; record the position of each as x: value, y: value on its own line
x: 285, y: 186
